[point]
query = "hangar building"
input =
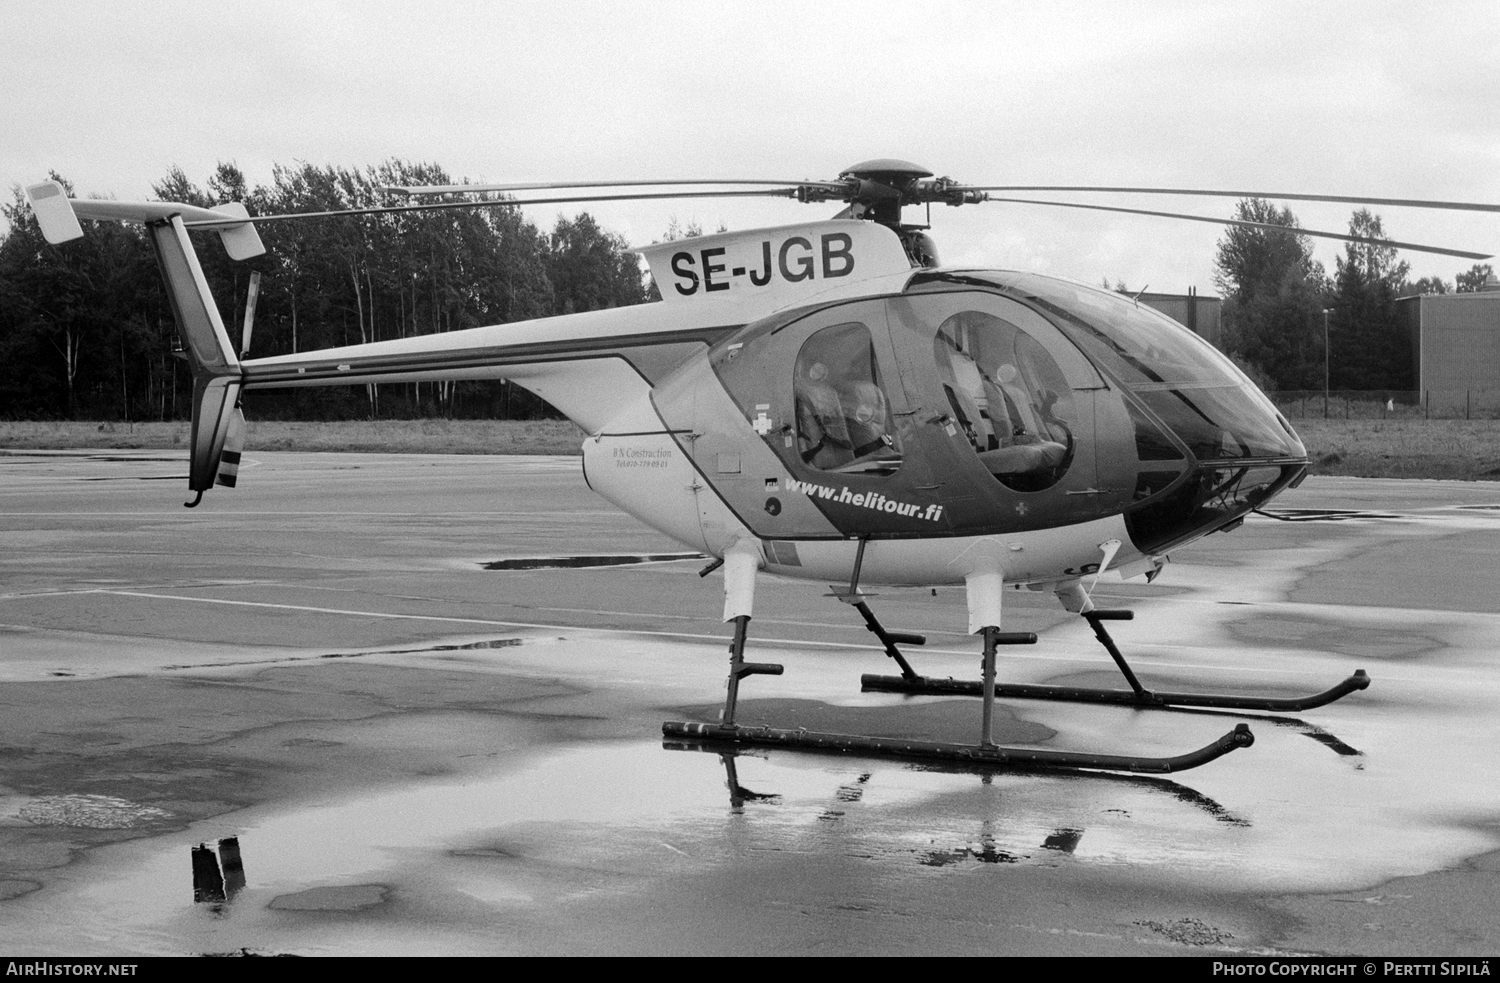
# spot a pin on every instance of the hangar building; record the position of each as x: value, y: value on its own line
x: 1455, y: 340
x: 1199, y: 314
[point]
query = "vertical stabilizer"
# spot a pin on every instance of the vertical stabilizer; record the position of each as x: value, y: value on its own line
x: 216, y: 368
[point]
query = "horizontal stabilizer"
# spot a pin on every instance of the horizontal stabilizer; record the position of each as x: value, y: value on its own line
x: 58, y: 216
x: 241, y: 242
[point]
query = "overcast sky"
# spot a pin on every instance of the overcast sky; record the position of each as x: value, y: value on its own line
x: 1384, y: 99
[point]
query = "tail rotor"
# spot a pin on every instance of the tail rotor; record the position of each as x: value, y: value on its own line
x: 218, y: 424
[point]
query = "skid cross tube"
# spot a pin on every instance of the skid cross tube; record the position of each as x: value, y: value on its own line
x: 1137, y: 695
x: 1095, y: 619
x: 888, y: 639
x: 1008, y: 757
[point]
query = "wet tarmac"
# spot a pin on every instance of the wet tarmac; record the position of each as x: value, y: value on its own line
x: 421, y: 696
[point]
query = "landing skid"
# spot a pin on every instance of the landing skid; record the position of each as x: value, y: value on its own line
x: 928, y: 686
x: 1007, y: 757
x: 985, y: 752
x: 1137, y: 695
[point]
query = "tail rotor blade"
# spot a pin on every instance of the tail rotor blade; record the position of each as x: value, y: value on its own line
x: 250, y: 298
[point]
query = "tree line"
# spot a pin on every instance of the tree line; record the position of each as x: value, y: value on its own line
x: 1279, y: 301
x: 86, y: 330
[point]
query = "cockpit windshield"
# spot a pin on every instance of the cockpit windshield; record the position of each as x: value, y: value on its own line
x: 1142, y: 346
x: 1192, y: 388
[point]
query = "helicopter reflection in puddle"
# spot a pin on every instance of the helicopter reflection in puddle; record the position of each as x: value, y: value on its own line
x: 1056, y: 836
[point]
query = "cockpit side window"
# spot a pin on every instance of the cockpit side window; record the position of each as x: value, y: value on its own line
x: 843, y: 416
x: 1008, y: 397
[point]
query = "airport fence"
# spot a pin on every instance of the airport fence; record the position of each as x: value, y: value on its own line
x: 1382, y: 404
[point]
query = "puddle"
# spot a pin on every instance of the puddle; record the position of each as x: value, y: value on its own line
x: 984, y: 854
x: 497, y: 643
x: 117, y: 459
x: 1193, y: 797
x: 588, y: 821
x: 1447, y: 515
x: 1324, y: 515
x: 685, y: 799
x: 1330, y: 741
x: 90, y: 812
x: 1188, y: 931
x: 571, y: 562
x: 1063, y: 840
x: 332, y: 898
x: 1313, y: 732
x: 13, y: 888
x: 452, y: 864
x: 1375, y: 640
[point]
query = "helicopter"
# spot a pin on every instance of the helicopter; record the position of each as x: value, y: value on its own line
x: 825, y: 401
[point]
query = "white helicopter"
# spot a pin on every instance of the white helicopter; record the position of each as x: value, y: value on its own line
x: 825, y: 401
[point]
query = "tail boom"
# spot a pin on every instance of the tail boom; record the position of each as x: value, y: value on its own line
x: 588, y: 366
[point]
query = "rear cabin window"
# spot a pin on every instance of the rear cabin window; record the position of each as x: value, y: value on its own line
x: 843, y: 416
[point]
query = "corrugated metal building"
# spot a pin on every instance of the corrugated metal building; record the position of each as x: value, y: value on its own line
x: 1199, y: 314
x: 1455, y: 340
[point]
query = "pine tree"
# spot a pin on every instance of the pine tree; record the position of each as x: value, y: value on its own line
x: 1370, y: 346
x: 1272, y: 319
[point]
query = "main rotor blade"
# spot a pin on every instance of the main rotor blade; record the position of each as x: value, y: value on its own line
x: 453, y: 189
x: 500, y: 203
x: 1462, y: 206
x: 1415, y: 247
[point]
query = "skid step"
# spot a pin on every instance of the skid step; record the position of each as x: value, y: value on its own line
x: 929, y: 686
x: 964, y: 753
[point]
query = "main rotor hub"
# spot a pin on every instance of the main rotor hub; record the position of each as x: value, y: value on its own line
x: 883, y: 186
